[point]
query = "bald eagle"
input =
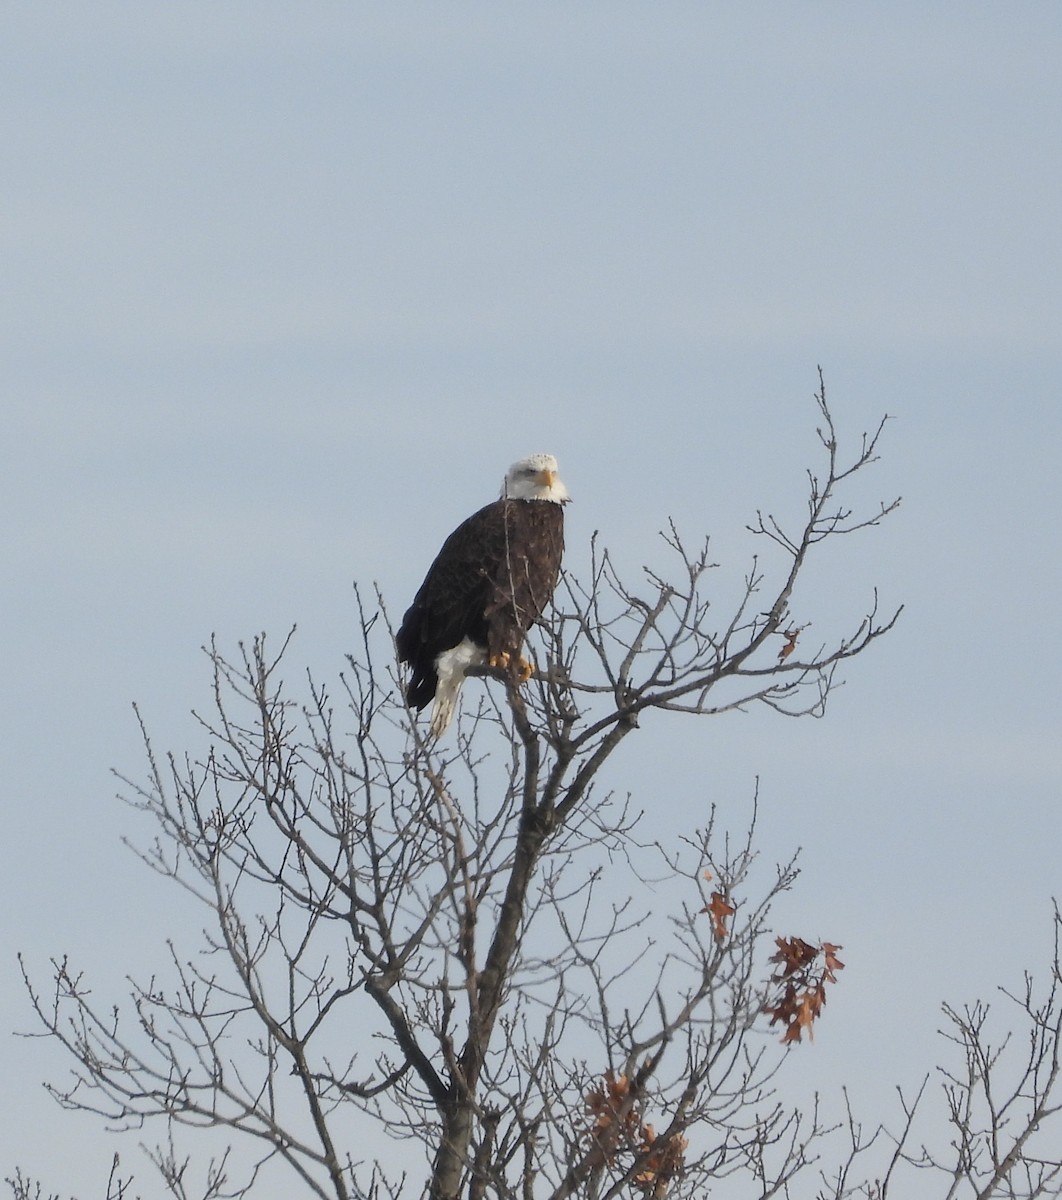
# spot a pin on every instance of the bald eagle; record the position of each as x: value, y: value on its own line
x: 491, y: 581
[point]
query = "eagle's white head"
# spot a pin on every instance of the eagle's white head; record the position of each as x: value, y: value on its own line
x: 535, y: 478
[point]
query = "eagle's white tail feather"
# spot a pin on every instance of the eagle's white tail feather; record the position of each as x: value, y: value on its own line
x: 442, y: 710
x: 450, y: 667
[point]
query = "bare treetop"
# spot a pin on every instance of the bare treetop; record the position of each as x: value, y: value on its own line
x: 420, y: 944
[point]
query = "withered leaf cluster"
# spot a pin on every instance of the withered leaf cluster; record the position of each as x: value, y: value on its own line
x: 617, y: 1128
x: 803, y: 972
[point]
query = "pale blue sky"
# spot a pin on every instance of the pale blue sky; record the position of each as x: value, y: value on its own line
x: 286, y: 287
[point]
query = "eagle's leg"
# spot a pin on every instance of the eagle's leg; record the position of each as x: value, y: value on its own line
x: 522, y: 669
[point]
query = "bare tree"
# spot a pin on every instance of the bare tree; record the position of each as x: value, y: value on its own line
x: 997, y: 1130
x: 449, y: 945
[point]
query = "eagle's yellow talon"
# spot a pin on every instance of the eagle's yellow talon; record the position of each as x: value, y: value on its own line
x: 521, y: 668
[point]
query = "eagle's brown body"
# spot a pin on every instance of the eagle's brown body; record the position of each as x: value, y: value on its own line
x: 491, y: 581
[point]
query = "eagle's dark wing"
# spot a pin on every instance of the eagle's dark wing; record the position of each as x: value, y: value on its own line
x: 452, y: 601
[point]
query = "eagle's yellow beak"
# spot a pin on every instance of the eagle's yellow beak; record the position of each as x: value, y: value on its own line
x: 547, y: 477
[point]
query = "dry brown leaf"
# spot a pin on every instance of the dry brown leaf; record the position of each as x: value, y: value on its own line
x: 720, y: 911
x: 790, y: 636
